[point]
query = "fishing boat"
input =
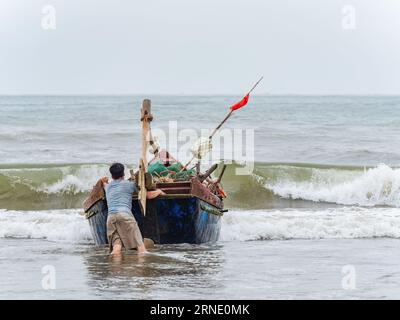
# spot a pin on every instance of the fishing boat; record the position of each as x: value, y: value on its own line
x: 192, y: 205
x: 189, y: 211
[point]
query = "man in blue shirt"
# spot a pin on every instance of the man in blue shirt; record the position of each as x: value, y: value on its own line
x: 122, y: 228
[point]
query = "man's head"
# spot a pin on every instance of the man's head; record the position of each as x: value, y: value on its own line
x: 117, y: 171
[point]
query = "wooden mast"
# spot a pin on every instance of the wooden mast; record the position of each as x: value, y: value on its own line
x: 146, y: 118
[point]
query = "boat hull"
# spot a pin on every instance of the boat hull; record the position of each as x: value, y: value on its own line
x: 98, y: 222
x: 167, y: 221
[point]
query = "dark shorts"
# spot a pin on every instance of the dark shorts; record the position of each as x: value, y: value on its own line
x: 123, y: 229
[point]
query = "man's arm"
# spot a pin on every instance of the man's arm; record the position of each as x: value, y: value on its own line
x: 150, y: 194
x: 154, y: 194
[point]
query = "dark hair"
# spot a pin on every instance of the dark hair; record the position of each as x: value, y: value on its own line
x: 117, y: 170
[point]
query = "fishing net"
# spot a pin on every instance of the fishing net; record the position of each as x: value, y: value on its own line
x: 176, y: 167
x: 201, y: 147
x: 185, y: 175
x: 158, y: 170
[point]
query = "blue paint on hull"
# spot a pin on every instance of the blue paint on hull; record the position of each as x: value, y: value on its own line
x: 167, y: 221
x: 178, y: 221
x: 98, y: 222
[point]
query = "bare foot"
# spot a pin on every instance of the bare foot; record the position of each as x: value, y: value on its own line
x: 117, y: 250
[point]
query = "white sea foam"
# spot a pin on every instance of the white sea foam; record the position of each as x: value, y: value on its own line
x: 378, y: 186
x: 75, y: 180
x: 345, y: 222
x: 54, y: 225
x: 70, y: 184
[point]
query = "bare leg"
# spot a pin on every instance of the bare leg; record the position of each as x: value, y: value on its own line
x: 117, y: 247
x: 141, y: 249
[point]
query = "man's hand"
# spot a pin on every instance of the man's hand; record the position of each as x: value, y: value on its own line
x: 104, y: 180
x: 155, y: 193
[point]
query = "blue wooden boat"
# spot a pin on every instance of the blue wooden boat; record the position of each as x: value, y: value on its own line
x: 187, y: 213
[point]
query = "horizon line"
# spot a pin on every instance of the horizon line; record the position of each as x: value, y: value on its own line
x: 192, y: 94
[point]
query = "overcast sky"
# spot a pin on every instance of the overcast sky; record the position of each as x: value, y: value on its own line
x: 200, y: 47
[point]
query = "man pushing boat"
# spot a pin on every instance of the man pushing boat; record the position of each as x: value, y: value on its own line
x: 122, y: 228
x: 189, y: 212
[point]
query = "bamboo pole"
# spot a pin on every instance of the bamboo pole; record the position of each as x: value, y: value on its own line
x: 146, y: 118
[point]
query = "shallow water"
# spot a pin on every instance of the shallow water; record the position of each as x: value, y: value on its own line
x: 291, y: 269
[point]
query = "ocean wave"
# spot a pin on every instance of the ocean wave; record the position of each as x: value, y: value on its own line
x: 47, y: 186
x: 75, y: 180
x: 378, y: 186
x: 271, y: 185
x: 243, y: 225
x: 53, y: 225
x: 334, y: 223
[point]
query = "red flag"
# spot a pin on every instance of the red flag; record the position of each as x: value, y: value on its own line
x: 241, y: 103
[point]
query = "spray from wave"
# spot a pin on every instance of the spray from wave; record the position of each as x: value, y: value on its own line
x: 53, y: 225
x: 378, y: 186
x: 272, y: 185
x: 333, y: 223
x: 41, y: 187
x: 345, y: 222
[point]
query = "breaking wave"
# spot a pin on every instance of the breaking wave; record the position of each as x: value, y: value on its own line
x: 378, y: 186
x: 27, y: 187
x: 271, y: 186
x: 334, y: 223
x: 53, y: 225
x: 243, y: 225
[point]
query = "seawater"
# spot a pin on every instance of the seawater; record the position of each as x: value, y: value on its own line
x: 324, y: 194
